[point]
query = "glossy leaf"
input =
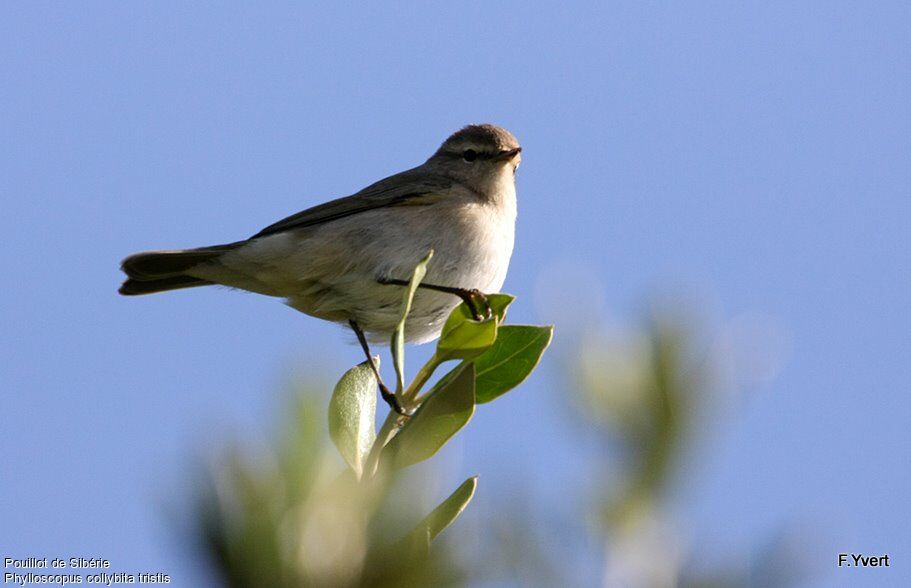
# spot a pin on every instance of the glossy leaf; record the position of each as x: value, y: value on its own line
x: 469, y: 339
x: 352, y: 414
x: 398, y: 335
x: 507, y: 363
x: 510, y: 360
x: 441, y: 415
x: 461, y: 313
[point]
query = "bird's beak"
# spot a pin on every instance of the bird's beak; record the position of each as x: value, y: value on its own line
x: 507, y: 155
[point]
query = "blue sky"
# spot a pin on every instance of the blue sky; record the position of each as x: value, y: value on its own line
x: 757, y: 154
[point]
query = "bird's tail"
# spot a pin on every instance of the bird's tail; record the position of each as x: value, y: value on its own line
x: 160, y: 271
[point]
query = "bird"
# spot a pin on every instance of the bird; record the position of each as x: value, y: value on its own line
x: 342, y: 261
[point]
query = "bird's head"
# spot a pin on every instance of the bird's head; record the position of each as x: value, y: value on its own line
x: 481, y: 156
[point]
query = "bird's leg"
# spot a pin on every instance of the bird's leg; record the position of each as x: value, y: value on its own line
x: 385, y: 392
x: 471, y: 298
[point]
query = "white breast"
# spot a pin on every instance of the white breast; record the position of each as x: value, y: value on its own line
x: 331, y: 271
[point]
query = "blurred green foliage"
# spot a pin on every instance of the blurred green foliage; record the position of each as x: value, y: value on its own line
x: 647, y: 391
x: 290, y: 517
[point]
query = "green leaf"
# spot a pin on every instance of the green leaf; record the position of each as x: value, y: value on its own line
x: 499, y: 303
x: 398, y: 336
x: 468, y: 339
x: 507, y: 363
x: 510, y: 360
x: 446, y: 513
x: 352, y: 414
x: 441, y: 415
x: 461, y: 313
x: 463, y: 337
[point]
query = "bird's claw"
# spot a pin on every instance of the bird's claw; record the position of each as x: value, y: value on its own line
x: 392, y: 400
x: 474, y: 298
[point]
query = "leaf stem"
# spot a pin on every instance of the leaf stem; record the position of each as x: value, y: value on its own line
x: 387, y: 432
x: 420, y: 379
x: 393, y: 420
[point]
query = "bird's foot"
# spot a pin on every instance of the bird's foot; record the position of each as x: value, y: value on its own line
x: 392, y: 400
x: 478, y: 304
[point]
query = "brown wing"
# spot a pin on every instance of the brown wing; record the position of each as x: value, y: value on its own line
x: 413, y: 187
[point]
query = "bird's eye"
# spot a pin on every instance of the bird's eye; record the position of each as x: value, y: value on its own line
x: 469, y: 155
